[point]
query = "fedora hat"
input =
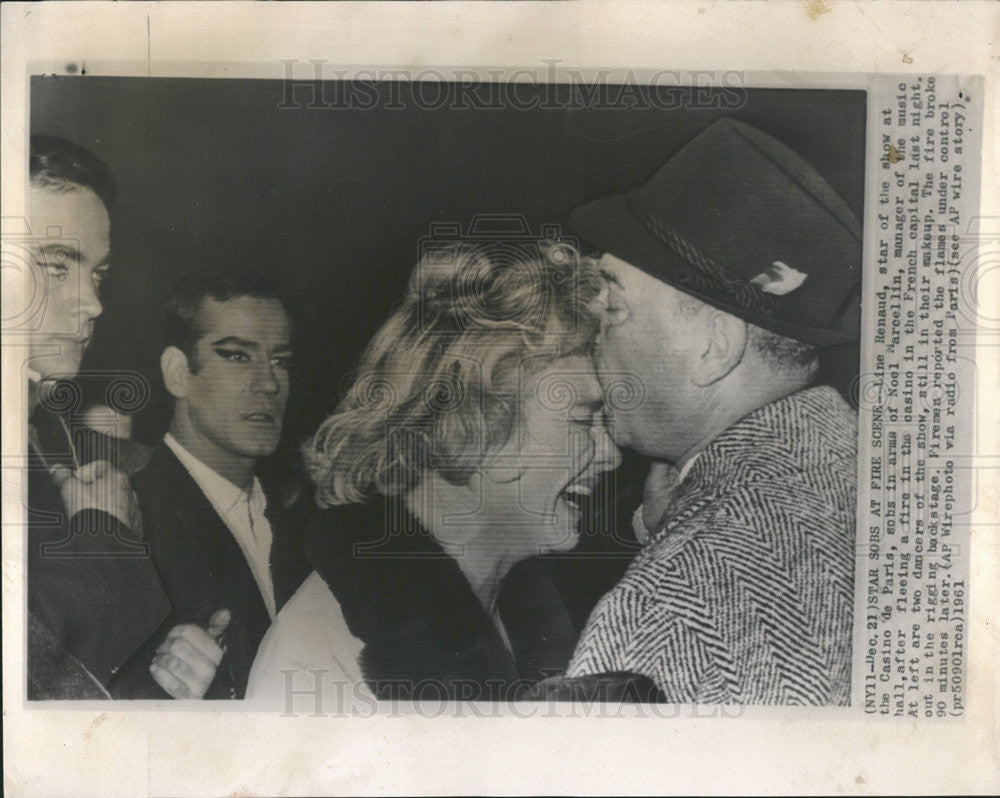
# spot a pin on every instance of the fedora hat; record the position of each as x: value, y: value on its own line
x: 740, y: 221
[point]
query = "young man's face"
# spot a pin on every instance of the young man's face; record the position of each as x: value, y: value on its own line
x: 235, y: 398
x: 71, y: 254
x: 645, y: 341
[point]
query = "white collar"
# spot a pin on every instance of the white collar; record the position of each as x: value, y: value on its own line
x: 687, y: 466
x: 223, y: 494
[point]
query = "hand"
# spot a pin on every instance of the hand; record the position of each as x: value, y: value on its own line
x: 98, y: 486
x: 186, y: 661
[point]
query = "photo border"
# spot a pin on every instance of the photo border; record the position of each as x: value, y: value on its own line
x: 89, y: 750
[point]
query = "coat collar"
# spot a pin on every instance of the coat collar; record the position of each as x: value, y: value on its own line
x: 768, y: 444
x: 222, y: 493
x: 389, y: 572
x: 405, y: 597
x: 166, y: 477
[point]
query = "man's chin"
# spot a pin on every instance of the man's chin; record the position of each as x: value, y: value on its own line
x: 623, y: 436
x: 261, y: 449
x: 53, y: 368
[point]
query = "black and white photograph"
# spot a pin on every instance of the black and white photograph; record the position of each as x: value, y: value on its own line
x: 400, y: 394
x: 373, y: 356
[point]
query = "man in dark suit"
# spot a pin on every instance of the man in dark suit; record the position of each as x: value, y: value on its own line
x: 93, y: 593
x: 228, y: 557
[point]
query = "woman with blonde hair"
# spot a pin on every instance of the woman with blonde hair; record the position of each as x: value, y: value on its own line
x: 472, y: 438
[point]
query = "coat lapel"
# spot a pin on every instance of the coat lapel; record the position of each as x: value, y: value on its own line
x: 201, y: 565
x: 408, y: 601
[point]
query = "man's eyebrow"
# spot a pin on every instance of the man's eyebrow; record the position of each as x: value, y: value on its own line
x: 284, y: 347
x: 611, y: 278
x: 235, y: 340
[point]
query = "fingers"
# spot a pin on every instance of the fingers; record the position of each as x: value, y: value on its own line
x: 60, y: 475
x: 174, y: 687
x: 201, y: 663
x: 97, y: 486
x: 186, y: 660
x: 182, y: 668
x: 93, y: 471
x: 194, y: 680
x: 218, y: 622
x: 188, y: 635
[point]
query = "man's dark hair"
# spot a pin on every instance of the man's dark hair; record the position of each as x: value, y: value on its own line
x: 181, y: 313
x: 60, y: 166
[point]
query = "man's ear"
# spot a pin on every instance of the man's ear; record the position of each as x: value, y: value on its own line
x: 176, y: 374
x: 725, y: 345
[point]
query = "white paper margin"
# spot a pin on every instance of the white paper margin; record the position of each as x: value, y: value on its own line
x: 89, y: 751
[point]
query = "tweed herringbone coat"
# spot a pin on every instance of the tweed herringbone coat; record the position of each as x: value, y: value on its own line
x: 745, y: 595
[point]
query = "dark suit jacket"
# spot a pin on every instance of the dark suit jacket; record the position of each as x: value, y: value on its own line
x: 94, y: 596
x: 203, y: 569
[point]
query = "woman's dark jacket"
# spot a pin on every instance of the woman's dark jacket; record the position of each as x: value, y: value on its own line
x: 426, y: 635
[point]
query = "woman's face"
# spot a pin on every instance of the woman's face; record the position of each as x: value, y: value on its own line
x: 533, y: 492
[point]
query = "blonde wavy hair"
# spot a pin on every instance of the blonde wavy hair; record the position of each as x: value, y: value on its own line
x: 437, y: 387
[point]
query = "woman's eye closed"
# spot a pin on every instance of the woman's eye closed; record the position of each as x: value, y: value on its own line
x: 617, y: 310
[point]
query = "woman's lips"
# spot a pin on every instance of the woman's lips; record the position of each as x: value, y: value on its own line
x: 574, y: 493
x: 75, y: 340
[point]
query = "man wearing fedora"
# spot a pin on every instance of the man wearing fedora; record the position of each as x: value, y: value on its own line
x: 726, y: 274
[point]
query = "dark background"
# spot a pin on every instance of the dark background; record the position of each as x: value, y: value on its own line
x: 333, y: 202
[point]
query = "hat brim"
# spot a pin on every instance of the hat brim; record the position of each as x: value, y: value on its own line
x: 610, y: 225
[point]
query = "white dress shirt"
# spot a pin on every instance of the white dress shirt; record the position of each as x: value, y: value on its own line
x: 241, y: 512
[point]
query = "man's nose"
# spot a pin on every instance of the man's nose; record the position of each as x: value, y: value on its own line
x: 90, y: 306
x: 265, y: 380
x: 607, y: 455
